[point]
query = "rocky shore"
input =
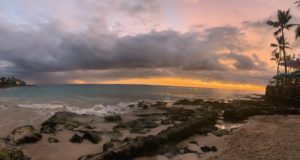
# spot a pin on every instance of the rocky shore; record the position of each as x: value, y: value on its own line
x: 153, y: 129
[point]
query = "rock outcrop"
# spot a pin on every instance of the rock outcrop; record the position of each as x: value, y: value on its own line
x: 148, y: 144
x: 24, y: 134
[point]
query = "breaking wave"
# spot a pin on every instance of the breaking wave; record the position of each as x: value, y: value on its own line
x: 99, y: 110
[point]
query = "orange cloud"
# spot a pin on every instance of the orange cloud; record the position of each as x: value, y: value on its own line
x: 77, y: 81
x: 170, y: 81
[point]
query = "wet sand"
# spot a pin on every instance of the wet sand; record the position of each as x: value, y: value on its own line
x: 13, y: 117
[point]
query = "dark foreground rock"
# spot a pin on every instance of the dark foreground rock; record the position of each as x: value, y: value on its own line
x: 92, y: 137
x: 24, y: 134
x: 113, y: 118
x: 209, y: 149
x: 138, y: 126
x: 245, y: 109
x: 60, y: 118
x: 189, y: 102
x: 143, y: 105
x: 76, y: 138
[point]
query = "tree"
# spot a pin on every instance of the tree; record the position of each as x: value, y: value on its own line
x: 282, y: 24
x: 276, y: 58
x: 280, y: 45
x: 298, y: 27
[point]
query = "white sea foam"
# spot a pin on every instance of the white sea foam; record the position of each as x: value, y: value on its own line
x: 99, y: 110
x: 45, y: 106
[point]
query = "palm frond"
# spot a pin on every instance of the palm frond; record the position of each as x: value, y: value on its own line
x: 288, y: 47
x: 288, y: 26
x: 298, y: 3
x: 274, y: 45
x: 273, y: 23
x: 277, y: 32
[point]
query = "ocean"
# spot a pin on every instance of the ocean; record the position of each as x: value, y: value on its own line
x: 91, y: 96
x: 34, y: 104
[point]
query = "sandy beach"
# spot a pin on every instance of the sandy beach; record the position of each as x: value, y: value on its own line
x: 261, y: 138
x: 265, y: 137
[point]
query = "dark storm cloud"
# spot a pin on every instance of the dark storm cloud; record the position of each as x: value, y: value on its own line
x: 242, y: 62
x: 47, y: 52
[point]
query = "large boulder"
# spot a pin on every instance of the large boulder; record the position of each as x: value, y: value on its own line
x: 24, y: 134
x: 60, y: 118
x: 92, y: 137
x: 76, y: 138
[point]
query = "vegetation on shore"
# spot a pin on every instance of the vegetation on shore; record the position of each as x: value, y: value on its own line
x: 282, y: 25
x: 10, y: 82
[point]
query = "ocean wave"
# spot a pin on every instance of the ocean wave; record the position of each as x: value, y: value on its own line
x: 44, y: 106
x: 99, y: 109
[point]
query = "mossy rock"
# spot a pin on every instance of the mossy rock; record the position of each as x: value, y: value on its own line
x: 24, y: 134
x: 70, y: 125
x: 60, y: 118
x: 13, y: 154
x: 136, y: 126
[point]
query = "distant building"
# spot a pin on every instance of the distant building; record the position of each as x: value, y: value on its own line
x: 286, y: 79
x: 292, y: 78
x: 284, y: 87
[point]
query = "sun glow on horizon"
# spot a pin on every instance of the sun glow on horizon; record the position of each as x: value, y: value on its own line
x: 182, y: 82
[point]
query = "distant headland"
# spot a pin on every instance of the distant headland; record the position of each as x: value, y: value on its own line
x: 11, y: 82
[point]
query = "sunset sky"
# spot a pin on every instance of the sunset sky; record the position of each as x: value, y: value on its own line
x: 204, y: 43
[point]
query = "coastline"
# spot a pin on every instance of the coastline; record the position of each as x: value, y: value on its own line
x: 186, y: 129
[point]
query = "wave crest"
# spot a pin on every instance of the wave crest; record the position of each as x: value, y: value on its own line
x: 99, y: 110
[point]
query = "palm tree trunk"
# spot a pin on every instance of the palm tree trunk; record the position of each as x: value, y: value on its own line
x: 284, y: 53
x: 278, y: 68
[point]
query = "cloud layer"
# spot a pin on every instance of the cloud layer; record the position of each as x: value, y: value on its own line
x: 101, y: 45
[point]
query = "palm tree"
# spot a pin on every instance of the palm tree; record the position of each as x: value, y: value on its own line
x: 282, y: 23
x: 276, y: 57
x: 280, y: 45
